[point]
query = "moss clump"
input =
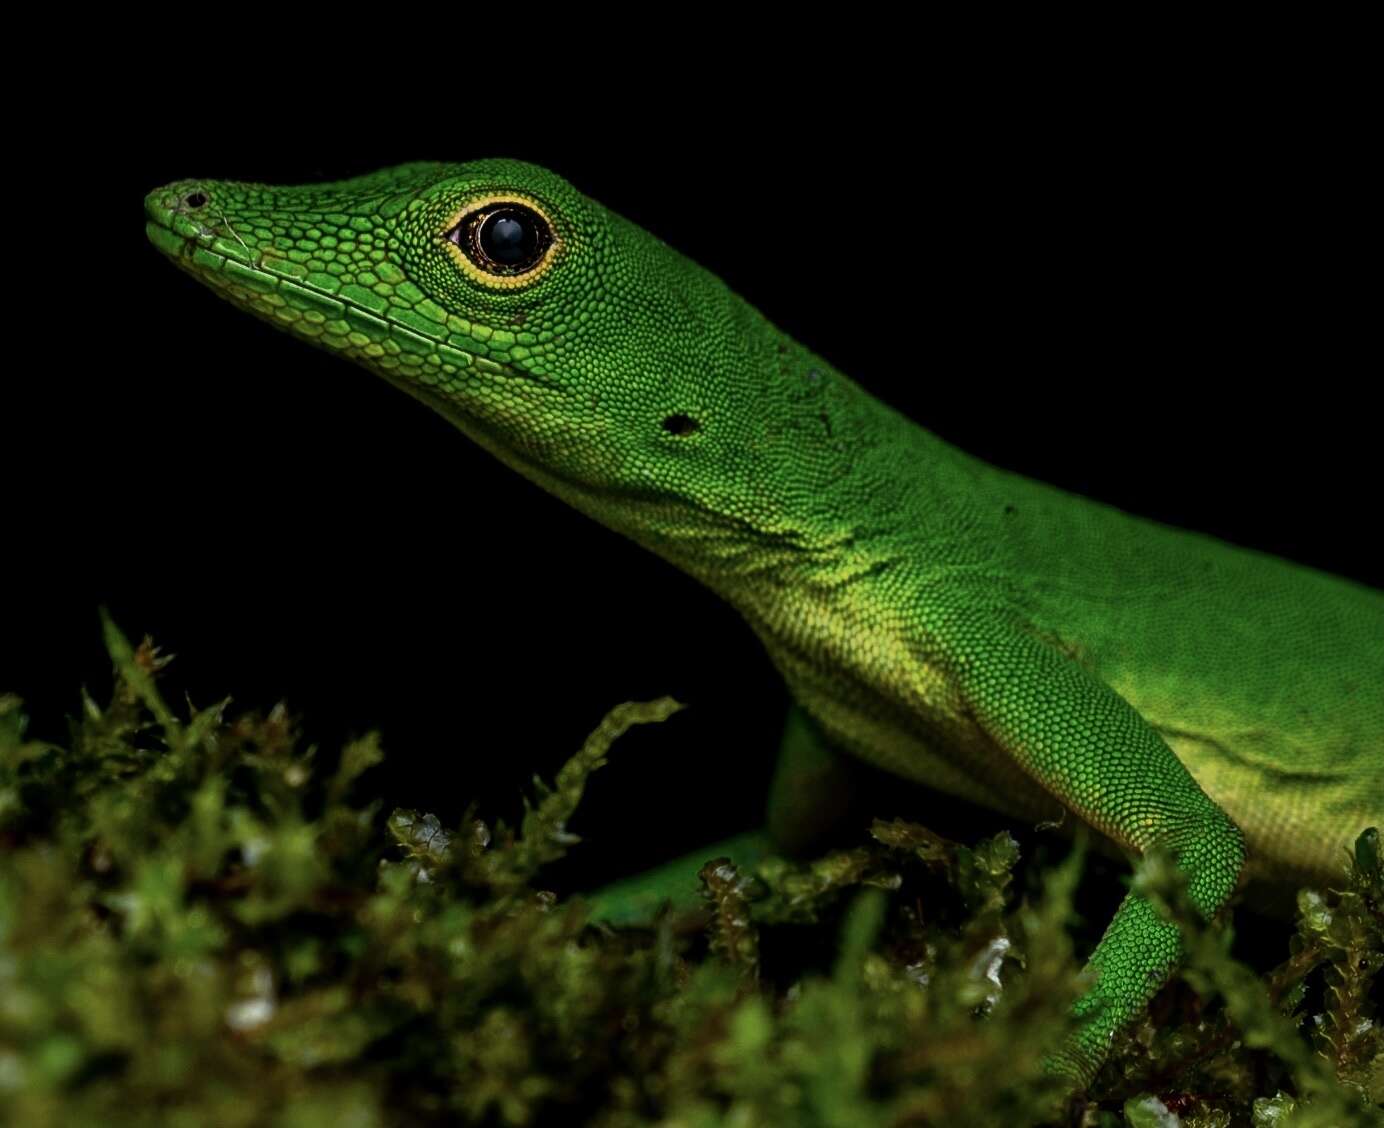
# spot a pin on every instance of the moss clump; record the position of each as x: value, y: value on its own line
x: 201, y: 924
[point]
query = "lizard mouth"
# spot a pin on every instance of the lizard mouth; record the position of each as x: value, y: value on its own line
x: 433, y: 361
x: 431, y: 354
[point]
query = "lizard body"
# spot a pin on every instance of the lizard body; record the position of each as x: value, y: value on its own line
x: 991, y: 636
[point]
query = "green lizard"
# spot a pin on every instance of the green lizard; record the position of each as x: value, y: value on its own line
x: 958, y: 625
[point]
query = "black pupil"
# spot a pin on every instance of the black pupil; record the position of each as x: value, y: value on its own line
x: 509, y: 237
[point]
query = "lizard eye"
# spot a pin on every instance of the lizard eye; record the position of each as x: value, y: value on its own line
x: 504, y: 239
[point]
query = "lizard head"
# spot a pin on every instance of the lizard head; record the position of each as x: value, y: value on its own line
x: 571, y: 343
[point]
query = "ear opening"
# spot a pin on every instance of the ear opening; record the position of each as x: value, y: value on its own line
x: 680, y: 424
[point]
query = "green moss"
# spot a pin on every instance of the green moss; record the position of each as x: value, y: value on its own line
x: 201, y: 924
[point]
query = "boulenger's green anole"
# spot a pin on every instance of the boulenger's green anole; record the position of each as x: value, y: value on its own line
x: 990, y: 636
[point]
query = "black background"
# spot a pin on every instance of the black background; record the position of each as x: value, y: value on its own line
x: 1150, y: 291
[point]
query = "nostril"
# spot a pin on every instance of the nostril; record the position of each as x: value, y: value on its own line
x: 195, y: 200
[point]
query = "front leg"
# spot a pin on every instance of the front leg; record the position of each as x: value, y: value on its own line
x: 1092, y: 750
x: 813, y: 789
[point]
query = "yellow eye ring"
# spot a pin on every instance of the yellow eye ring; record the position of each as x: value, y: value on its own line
x: 502, y: 242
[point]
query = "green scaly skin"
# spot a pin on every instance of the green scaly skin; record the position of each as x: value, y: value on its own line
x: 950, y: 622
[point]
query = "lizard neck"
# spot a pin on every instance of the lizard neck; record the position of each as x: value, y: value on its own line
x: 821, y: 490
